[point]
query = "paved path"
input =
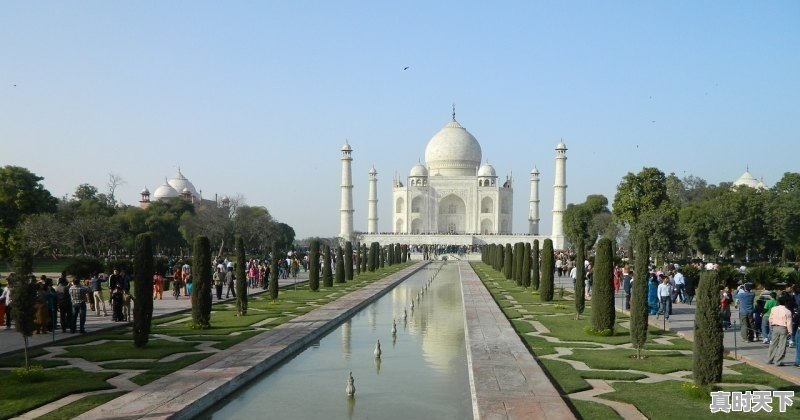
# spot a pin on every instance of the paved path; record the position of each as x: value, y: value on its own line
x: 11, y: 341
x: 505, y: 379
x: 190, y: 391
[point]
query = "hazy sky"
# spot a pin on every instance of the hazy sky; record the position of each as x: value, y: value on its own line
x: 256, y: 98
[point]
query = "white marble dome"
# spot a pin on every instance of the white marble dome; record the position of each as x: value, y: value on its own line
x: 180, y: 183
x: 165, y: 191
x: 487, y: 170
x: 747, y: 179
x: 419, y: 170
x: 453, y: 151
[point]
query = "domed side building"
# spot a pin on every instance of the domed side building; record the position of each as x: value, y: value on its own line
x: 747, y: 179
x: 452, y: 193
x: 178, y: 187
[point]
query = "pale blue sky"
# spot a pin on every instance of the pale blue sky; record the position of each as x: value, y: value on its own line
x: 256, y: 98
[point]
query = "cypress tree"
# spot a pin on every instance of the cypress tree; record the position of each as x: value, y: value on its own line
x: 520, y: 254
x: 546, y: 288
x: 313, y: 266
x: 327, y: 270
x: 363, y: 258
x: 508, y: 262
x: 404, y: 253
x: 708, y: 351
x: 201, y: 285
x: 603, y: 313
x: 339, y: 265
x: 358, y: 258
x: 371, y: 258
x: 23, y: 294
x: 390, y: 260
x: 273, y: 275
x: 500, y: 257
x: 143, y: 289
x: 580, y: 279
x: 515, y: 263
x: 397, y: 251
x: 526, y: 265
x: 535, y: 275
x: 348, y: 261
x: 241, y: 278
x: 383, y: 256
x: 639, y: 306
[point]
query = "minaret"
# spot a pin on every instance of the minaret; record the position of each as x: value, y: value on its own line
x: 560, y: 196
x: 533, y: 212
x: 346, y: 231
x: 372, y: 210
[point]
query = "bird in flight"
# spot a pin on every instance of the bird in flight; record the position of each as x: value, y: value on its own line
x: 406, y: 67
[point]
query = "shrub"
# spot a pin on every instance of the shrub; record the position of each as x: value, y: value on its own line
x: 348, y: 262
x: 535, y: 276
x: 766, y: 276
x: 339, y: 265
x: 327, y: 270
x: 508, y: 262
x: 83, y: 267
x: 603, y: 312
x: 29, y: 375
x: 273, y: 277
x: 121, y: 264
x: 526, y: 265
x: 580, y: 279
x: 241, y: 278
x: 201, y: 293
x: 313, y: 266
x: 639, y: 304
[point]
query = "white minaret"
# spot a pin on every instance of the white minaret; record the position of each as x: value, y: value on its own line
x: 533, y: 212
x: 346, y: 211
x: 372, y: 210
x: 560, y: 196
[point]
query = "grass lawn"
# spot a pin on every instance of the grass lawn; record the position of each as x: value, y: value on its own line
x: 619, y: 359
x: 593, y: 410
x: 81, y: 406
x: 155, y: 349
x: 18, y: 359
x: 17, y: 398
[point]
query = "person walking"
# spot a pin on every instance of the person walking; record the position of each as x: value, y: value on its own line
x: 158, y: 286
x: 725, y: 307
x: 746, y: 298
x: 78, y: 294
x: 780, y: 322
x: 627, y: 280
x: 6, y: 298
x: 97, y: 293
x: 680, y: 286
x: 219, y: 279
x: 769, y: 303
x: 665, y: 297
x: 229, y: 279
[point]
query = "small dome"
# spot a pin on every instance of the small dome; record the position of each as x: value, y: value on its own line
x: 185, y: 191
x: 419, y: 170
x: 373, y: 171
x: 561, y: 146
x: 747, y: 179
x: 145, y: 191
x: 346, y: 147
x: 487, y: 170
x: 165, y: 191
x: 453, y: 151
x: 534, y: 171
x: 180, y: 183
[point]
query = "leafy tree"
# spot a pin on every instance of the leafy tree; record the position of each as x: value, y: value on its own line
x: 708, y: 351
x: 43, y: 233
x: 348, y: 262
x: 535, y: 275
x: 273, y: 276
x: 739, y: 220
x: 23, y: 294
x: 163, y: 221
x: 526, y: 265
x: 546, y: 288
x: 603, y: 313
x: 201, y: 293
x: 339, y: 265
x: 241, y: 278
x: 327, y: 270
x: 313, y: 266
x: 696, y: 222
x: 143, y: 269
x: 783, y: 214
x: 21, y: 193
x: 583, y: 221
x: 508, y: 262
x: 639, y: 194
x: 580, y: 279
x: 639, y: 290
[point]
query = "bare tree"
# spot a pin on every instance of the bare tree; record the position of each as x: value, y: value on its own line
x: 114, y: 181
x: 44, y: 233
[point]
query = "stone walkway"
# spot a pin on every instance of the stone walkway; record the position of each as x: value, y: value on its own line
x: 505, y: 379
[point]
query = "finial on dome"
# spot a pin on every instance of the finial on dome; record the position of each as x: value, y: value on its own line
x: 454, y: 112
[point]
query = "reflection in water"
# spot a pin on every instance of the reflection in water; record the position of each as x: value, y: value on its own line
x: 423, y: 375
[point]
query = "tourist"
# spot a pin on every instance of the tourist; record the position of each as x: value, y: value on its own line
x: 97, y: 293
x: 780, y: 322
x: 6, y: 298
x: 769, y: 303
x: 158, y: 286
x: 627, y: 283
x: 114, y: 280
x: 788, y: 292
x: 63, y: 303
x: 652, y: 296
x: 41, y: 316
x: 177, y: 281
x: 117, y: 301
x: 50, y: 297
x: 252, y: 273
x: 219, y: 279
x: 589, y: 279
x: 78, y: 296
x: 746, y: 298
x: 186, y: 278
x: 689, y: 288
x: 665, y: 297
x: 617, y: 278
x: 680, y: 286
x: 725, y: 307
x: 229, y: 279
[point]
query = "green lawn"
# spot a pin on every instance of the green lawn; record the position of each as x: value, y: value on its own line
x: 81, y: 406
x: 155, y: 349
x: 593, y: 410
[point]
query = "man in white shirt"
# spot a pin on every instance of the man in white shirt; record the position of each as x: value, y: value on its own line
x: 680, y: 285
x: 665, y: 297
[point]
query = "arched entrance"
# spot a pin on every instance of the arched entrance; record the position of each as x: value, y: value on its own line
x: 452, y: 215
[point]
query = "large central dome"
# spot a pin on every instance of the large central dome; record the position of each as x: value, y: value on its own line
x: 453, y: 151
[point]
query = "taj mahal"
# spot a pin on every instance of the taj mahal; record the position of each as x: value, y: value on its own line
x: 452, y: 198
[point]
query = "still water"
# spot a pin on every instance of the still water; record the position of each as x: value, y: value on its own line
x: 422, y: 372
